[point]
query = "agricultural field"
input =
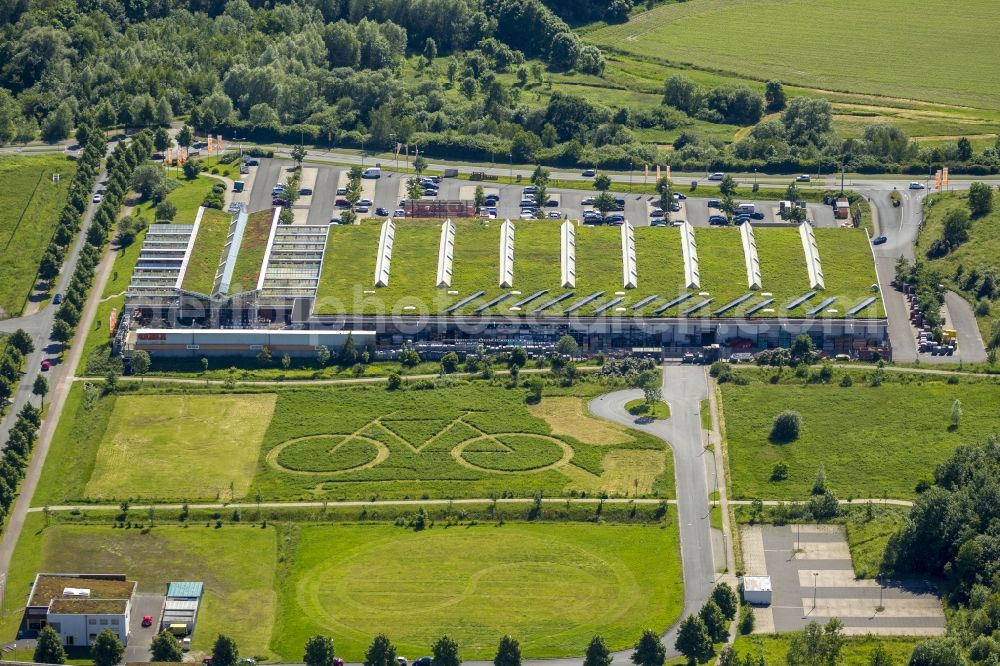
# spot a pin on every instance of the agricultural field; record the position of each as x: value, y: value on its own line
x: 203, y: 264
x: 30, y: 204
x: 879, y: 61
x: 552, y: 586
x: 347, y: 442
x: 250, y: 258
x: 236, y: 563
x: 977, y: 256
x: 349, y: 268
x: 872, y: 441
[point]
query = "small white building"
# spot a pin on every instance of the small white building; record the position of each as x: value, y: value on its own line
x: 80, y: 606
x: 757, y: 590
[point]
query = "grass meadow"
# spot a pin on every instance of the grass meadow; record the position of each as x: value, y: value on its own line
x: 872, y: 441
x: 30, y: 204
x: 550, y: 585
x: 879, y: 60
x: 203, y: 263
x: 856, y: 650
x: 357, y: 442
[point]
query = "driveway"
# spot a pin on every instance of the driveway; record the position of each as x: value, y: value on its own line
x: 141, y: 637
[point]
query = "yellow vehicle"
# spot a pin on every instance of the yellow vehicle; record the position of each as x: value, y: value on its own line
x: 178, y: 629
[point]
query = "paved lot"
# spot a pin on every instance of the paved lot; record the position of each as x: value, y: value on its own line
x: 141, y: 637
x: 816, y: 582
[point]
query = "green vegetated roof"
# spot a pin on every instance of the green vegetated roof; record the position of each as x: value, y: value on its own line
x: 250, y: 259
x: 207, y: 251
x: 347, y: 281
x: 88, y: 606
x: 49, y: 587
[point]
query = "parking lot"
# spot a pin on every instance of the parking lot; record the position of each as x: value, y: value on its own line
x: 140, y: 637
x: 389, y: 191
x: 812, y: 578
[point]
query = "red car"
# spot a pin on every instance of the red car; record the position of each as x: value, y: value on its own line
x: 147, y: 620
x: 45, y: 366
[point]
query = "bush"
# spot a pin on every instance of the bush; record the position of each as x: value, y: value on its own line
x: 722, y: 371
x: 746, y: 620
x: 395, y: 381
x: 786, y: 427
x: 780, y: 471
x: 846, y: 381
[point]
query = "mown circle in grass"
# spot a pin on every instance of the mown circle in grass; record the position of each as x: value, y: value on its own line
x: 328, y: 454
x: 508, y: 453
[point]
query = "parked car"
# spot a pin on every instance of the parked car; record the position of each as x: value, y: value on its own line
x: 678, y: 223
x: 554, y: 215
x: 45, y: 366
x: 336, y: 220
x: 527, y: 203
x: 740, y: 219
x: 401, y: 661
x: 57, y: 299
x: 365, y: 202
x: 399, y: 212
x: 337, y: 661
x: 423, y: 661
x: 679, y: 197
x: 147, y: 620
x: 658, y: 222
x: 615, y: 220
x: 277, y: 201
x: 341, y: 190
x: 527, y: 215
x: 252, y: 163
x: 916, y: 186
x: 98, y: 198
x: 718, y: 175
x: 757, y: 215
x: 530, y: 189
x: 713, y: 203
x: 587, y: 201
x: 588, y: 173
x: 382, y: 211
x: 879, y: 240
x: 675, y: 207
x: 361, y: 209
x: 717, y: 220
x: 804, y: 178
x: 656, y: 212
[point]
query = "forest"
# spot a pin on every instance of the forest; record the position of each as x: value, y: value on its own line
x: 456, y: 78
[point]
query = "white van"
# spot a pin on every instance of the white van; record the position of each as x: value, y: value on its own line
x: 745, y: 209
x: 372, y: 172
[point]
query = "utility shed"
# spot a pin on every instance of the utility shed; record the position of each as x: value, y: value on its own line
x: 757, y: 590
x: 180, y: 606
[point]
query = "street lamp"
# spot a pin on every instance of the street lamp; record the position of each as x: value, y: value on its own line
x: 239, y: 141
x: 815, y: 580
x: 511, y: 156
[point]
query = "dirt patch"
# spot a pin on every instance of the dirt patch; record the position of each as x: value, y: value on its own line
x: 569, y: 417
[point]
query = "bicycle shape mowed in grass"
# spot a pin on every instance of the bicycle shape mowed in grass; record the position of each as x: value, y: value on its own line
x: 374, y: 443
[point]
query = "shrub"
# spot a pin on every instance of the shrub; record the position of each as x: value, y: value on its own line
x: 786, y: 427
x: 780, y: 471
x: 746, y: 620
x: 846, y: 381
x: 395, y: 381
x: 722, y: 371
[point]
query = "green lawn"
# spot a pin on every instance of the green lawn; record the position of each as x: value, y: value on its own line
x: 978, y: 254
x: 250, y: 258
x: 599, y: 265
x: 345, y: 442
x: 872, y: 441
x: 30, y: 204
x: 187, y: 197
x: 867, y: 536
x: 846, y: 276
x: 236, y: 563
x: 552, y: 586
x: 348, y: 269
x: 856, y: 651
x: 181, y: 446
x: 782, y: 263
x: 660, y: 409
x: 723, y: 269
x: 203, y: 264
x: 660, y: 264
x: 879, y: 61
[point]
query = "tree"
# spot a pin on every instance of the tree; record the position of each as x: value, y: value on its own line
x: 567, y: 346
x: 264, y: 356
x: 348, y: 353
x: 602, y: 182
x: 147, y: 179
x: 666, y: 193
x: 649, y: 650
x: 21, y: 341
x: 140, y: 362
x: 605, y: 203
x: 963, y: 149
x: 161, y: 140
x: 319, y: 651
x: 185, y: 137
x: 165, y: 211
x: 40, y: 387
x: 191, y: 169
x: 394, y: 381
x: 728, y: 185
x: 508, y: 652
x: 419, y: 163
x: 381, y: 652
x: 164, y: 113
x: 58, y: 124
x: 980, y: 199
x: 323, y: 355
x: 61, y: 331
x: 774, y: 96
x: 414, y: 190
x: 225, y: 652
x: 956, y: 414
x: 803, y: 348
x: 449, y: 362
x: 936, y: 652
x: 598, y: 653
x: 785, y: 427
x: 816, y: 645
x: 728, y: 206
x: 715, y: 621
x: 286, y: 361
x: 49, y: 649
x: 518, y: 357
x: 298, y: 154
x: 881, y: 656
x: 956, y: 227
x: 430, y: 50
x: 107, y: 649
x: 792, y: 193
x: 166, y: 647
x: 128, y: 228
x: 445, y: 652
x: 726, y: 599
